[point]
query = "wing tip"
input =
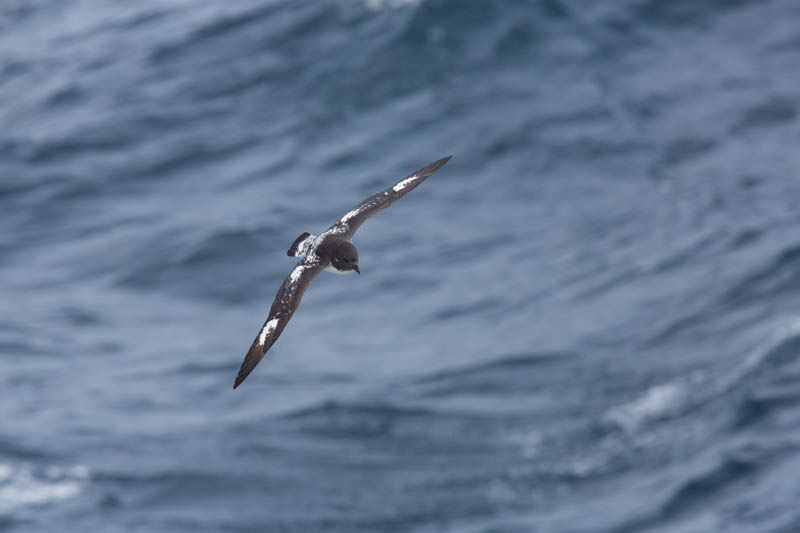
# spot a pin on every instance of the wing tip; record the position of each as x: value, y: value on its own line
x: 240, y: 377
x: 251, y: 360
x: 433, y: 167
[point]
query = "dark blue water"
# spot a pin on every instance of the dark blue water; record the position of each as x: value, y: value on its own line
x: 587, y: 321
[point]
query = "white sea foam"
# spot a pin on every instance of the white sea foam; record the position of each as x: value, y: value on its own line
x: 381, y: 5
x: 785, y: 333
x: 657, y: 402
x: 21, y: 486
x: 676, y: 396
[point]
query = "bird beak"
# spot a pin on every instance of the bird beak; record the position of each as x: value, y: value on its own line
x: 355, y: 267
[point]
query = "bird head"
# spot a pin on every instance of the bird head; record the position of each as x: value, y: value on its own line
x: 345, y: 257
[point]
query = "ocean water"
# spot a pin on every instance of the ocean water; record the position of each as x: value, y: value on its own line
x: 587, y: 321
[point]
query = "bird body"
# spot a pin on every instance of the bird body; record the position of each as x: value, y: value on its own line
x: 332, y: 250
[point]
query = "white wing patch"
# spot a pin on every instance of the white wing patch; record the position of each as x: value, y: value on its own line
x: 351, y: 214
x: 269, y: 327
x: 405, y: 183
x: 296, y: 273
x: 305, y: 246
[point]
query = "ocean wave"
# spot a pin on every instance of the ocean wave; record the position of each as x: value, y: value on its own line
x: 377, y: 411
x: 702, y: 487
x: 776, y: 367
x: 382, y: 5
x: 683, y: 394
x: 682, y: 12
x: 366, y: 420
x: 508, y: 363
x: 162, y: 158
x: 504, y: 375
x: 191, y: 264
x: 780, y: 275
x: 773, y: 112
x: 214, y: 27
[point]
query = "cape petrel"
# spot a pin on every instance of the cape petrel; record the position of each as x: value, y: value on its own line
x: 333, y: 250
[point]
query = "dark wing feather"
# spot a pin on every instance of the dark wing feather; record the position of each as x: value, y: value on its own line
x: 283, y: 307
x: 350, y: 222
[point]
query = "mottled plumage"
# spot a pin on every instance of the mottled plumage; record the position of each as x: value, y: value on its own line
x: 333, y: 250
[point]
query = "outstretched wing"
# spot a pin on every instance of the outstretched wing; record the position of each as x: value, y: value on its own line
x: 283, y: 307
x: 349, y: 223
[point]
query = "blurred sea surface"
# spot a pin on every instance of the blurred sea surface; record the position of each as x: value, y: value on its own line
x: 587, y: 321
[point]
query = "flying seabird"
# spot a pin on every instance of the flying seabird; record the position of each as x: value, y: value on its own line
x: 333, y: 250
